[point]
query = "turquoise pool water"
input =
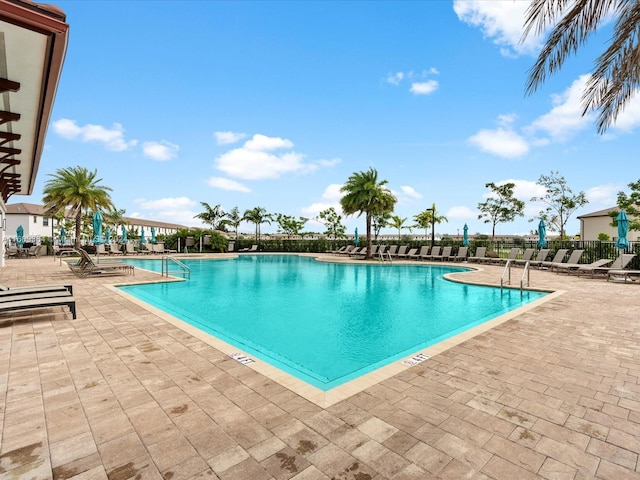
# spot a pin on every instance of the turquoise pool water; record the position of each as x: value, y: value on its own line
x: 325, y: 323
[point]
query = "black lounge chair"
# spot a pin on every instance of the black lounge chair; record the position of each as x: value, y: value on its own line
x: 24, y: 299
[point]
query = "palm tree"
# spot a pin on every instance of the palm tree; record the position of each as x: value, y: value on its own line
x: 233, y: 219
x: 78, y: 189
x: 429, y: 217
x: 257, y: 215
x: 616, y: 77
x: 365, y: 194
x: 396, y: 221
x: 115, y: 218
x: 211, y: 215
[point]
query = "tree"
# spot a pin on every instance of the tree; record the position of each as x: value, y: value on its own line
x: 332, y: 221
x: 258, y: 216
x: 363, y: 193
x: 290, y: 225
x: 395, y: 221
x: 428, y: 218
x: 616, y: 77
x: 114, y: 217
x: 560, y: 200
x: 212, y: 216
x: 631, y: 205
x: 378, y: 222
x: 501, y: 207
x: 79, y: 190
x: 233, y: 219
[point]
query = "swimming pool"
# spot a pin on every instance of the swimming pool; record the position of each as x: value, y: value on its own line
x: 325, y: 323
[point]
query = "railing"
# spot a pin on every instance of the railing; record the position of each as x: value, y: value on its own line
x: 526, y: 273
x: 384, y: 255
x: 507, y: 271
x: 184, y: 270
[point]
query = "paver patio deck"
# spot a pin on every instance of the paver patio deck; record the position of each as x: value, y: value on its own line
x: 121, y: 393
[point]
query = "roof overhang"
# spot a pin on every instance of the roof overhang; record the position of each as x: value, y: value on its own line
x: 33, y: 44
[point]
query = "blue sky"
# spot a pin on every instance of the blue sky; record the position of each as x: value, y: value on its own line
x: 276, y: 104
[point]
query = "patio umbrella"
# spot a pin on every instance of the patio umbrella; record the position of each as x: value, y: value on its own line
x: 124, y: 234
x: 542, y: 233
x: 142, y: 237
x: 97, y: 228
x: 63, y: 236
x: 356, y: 240
x: 108, y: 236
x: 153, y: 234
x: 20, y: 235
x: 623, y: 229
x: 465, y: 235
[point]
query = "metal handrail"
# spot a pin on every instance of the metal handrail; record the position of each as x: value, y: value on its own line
x: 184, y: 270
x: 527, y: 273
x: 507, y: 269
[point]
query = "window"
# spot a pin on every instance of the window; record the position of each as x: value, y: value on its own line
x: 35, y: 219
x: 45, y: 222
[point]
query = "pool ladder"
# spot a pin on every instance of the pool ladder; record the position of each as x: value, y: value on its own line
x: 184, y: 270
x: 507, y: 272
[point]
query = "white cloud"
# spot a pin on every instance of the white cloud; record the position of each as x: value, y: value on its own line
x: 258, y: 159
x: 604, y: 195
x: 226, y: 184
x: 410, y: 192
x: 161, y: 151
x: 333, y: 193
x: 565, y: 118
x: 331, y: 199
x: 500, y: 21
x: 424, y: 88
x: 395, y: 78
x: 461, y: 213
x: 113, y: 138
x: 502, y: 142
x: 226, y: 138
x: 629, y: 118
x: 180, y: 210
x: 329, y: 163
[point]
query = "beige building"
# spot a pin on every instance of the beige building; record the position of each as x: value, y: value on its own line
x: 592, y: 224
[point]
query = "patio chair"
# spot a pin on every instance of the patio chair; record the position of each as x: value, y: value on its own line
x: 114, y: 249
x: 540, y: 257
x: 557, y: 258
x: 347, y: 250
x: 408, y: 254
x: 419, y: 254
x: 632, y: 276
x: 356, y: 252
x: 30, y: 301
x: 573, y: 259
x: 527, y: 255
x: 480, y: 255
x: 513, y: 254
x: 254, y: 248
x: 444, y: 254
x: 569, y: 268
x: 402, y: 250
x: 338, y: 251
x: 618, y: 264
x: 130, y: 249
x: 393, y: 249
x: 460, y: 256
x: 86, y: 266
x: 12, y: 251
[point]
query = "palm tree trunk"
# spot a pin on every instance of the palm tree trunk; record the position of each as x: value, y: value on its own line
x: 78, y: 228
x: 369, y: 240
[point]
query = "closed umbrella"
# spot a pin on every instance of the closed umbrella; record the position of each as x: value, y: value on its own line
x: 465, y: 235
x: 20, y: 235
x: 542, y: 233
x: 124, y: 234
x: 623, y: 229
x: 108, y: 236
x: 63, y: 236
x: 153, y: 234
x: 356, y: 240
x: 142, y: 237
x: 97, y: 228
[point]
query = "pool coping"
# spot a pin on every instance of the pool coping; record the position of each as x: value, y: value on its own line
x: 321, y: 398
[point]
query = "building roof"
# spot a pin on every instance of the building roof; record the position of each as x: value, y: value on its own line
x: 26, y: 209
x: 151, y: 223
x: 600, y: 213
x: 33, y: 47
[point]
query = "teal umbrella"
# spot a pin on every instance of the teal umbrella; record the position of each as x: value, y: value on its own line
x: 542, y: 233
x: 63, y: 236
x: 356, y: 240
x: 142, y: 236
x: 124, y: 234
x: 20, y: 235
x: 465, y: 235
x: 153, y: 234
x: 623, y: 229
x: 97, y: 228
x: 108, y: 235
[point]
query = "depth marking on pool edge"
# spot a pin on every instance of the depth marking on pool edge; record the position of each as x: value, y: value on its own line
x: 421, y: 357
x: 243, y: 359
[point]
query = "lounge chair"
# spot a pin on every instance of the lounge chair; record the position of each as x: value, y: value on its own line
x: 618, y: 264
x: 420, y: 254
x: 557, y: 258
x: 576, y: 268
x: 573, y: 259
x: 393, y: 249
x: 130, y: 249
x: 254, y: 248
x: 527, y: 255
x: 346, y: 251
x: 30, y: 301
x: 402, y: 250
x: 12, y: 251
x: 513, y: 254
x: 32, y: 251
x: 114, y: 249
x: 461, y: 256
x: 540, y: 257
x: 338, y: 251
x: 480, y: 255
x: 443, y: 255
x: 408, y: 254
x: 356, y: 252
x: 4, y: 290
x: 86, y: 266
x: 632, y: 276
